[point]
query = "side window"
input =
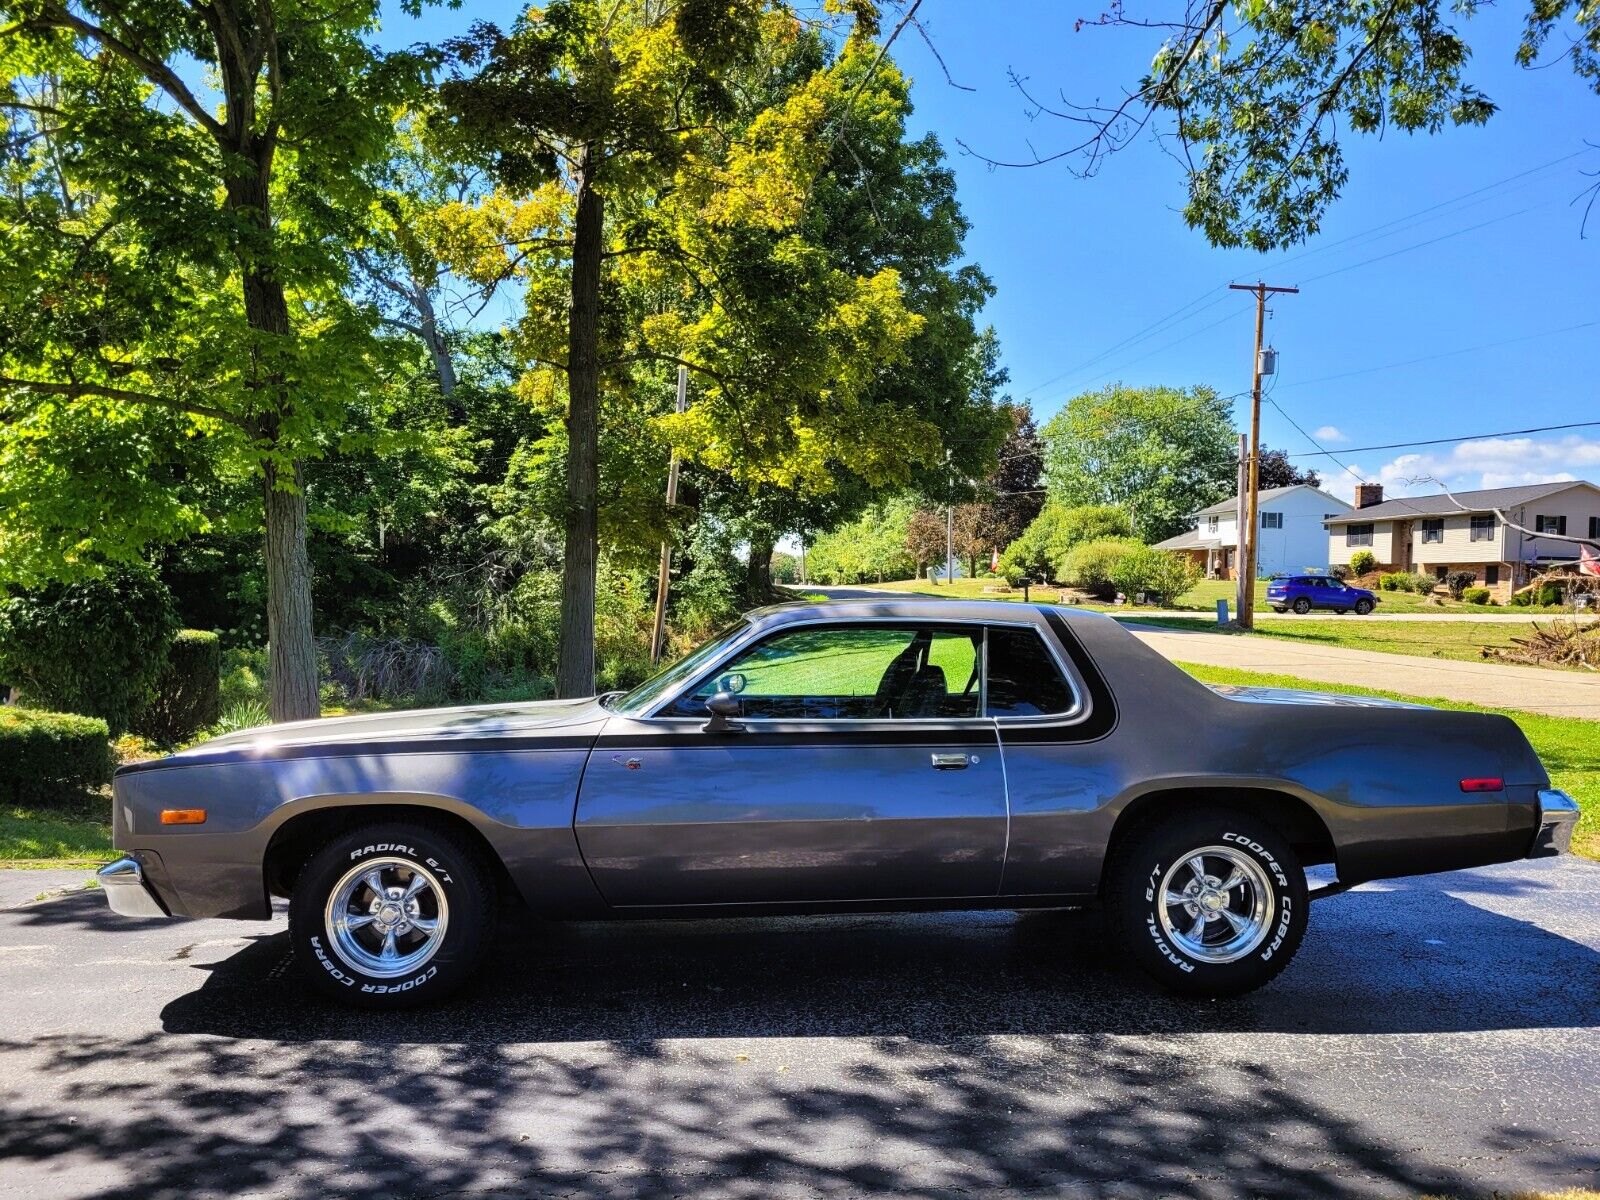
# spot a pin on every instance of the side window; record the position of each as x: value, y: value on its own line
x: 1024, y: 680
x: 853, y: 671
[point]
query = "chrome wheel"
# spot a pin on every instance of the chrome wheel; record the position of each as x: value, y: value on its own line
x: 1216, y: 904
x: 387, y: 917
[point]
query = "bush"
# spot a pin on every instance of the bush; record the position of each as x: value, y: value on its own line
x: 1041, y: 549
x: 1090, y: 566
x: 94, y: 647
x: 1395, y: 581
x: 1522, y: 599
x: 1459, y: 581
x: 245, y: 715
x: 1363, y: 561
x: 188, y: 692
x: 46, y: 756
x: 1476, y: 595
x: 1423, y: 584
x: 1158, y: 573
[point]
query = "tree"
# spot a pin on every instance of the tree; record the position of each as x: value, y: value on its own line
x: 1276, y: 471
x: 173, y: 269
x: 1158, y: 453
x: 628, y: 167
x: 1016, y: 496
x: 925, y: 538
x: 1044, y: 545
x: 972, y: 535
x: 1259, y: 98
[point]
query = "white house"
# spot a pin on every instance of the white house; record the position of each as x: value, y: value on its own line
x: 1293, y: 536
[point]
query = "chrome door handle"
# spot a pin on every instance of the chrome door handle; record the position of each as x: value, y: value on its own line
x: 949, y: 762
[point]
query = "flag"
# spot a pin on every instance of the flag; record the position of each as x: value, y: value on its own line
x: 994, y: 561
x: 1588, y: 564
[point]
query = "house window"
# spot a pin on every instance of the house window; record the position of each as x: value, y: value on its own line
x: 1433, y: 530
x: 1211, y: 524
x: 1272, y: 520
x: 1550, y: 525
x: 1491, y: 574
x: 1594, y: 528
x: 1483, y: 528
x: 1358, y: 535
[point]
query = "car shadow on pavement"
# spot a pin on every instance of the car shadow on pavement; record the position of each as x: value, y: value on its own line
x: 974, y: 1053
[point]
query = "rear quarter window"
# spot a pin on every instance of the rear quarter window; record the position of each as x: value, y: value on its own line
x: 1024, y: 680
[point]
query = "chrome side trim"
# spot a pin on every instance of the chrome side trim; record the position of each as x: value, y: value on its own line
x: 1558, y: 817
x: 126, y: 890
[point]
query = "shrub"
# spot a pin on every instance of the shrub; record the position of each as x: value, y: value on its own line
x: 1363, y: 561
x: 244, y: 715
x: 1395, y: 581
x: 1522, y: 599
x: 46, y: 756
x: 1476, y: 595
x: 94, y: 647
x: 1090, y: 566
x: 1422, y: 584
x: 1154, y: 572
x: 1041, y: 549
x: 1459, y: 581
x: 188, y: 692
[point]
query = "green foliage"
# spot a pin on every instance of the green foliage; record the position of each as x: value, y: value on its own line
x: 1339, y: 571
x: 1476, y: 595
x: 1041, y: 551
x: 1459, y: 581
x: 246, y: 714
x: 45, y: 756
x: 1362, y: 562
x: 871, y: 548
x: 1159, y: 574
x: 1160, y: 454
x: 95, y: 647
x: 187, y: 694
x: 1398, y: 581
x: 1091, y: 565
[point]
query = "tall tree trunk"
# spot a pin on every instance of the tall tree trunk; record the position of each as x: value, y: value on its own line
x: 292, y: 654
x: 575, y: 668
x: 438, y: 348
x: 758, y: 568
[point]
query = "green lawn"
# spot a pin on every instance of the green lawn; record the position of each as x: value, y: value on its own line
x: 1463, y: 640
x: 1568, y: 746
x: 1202, y: 597
x: 57, y: 836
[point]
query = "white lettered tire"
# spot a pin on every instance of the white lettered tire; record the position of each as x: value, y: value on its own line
x: 391, y: 914
x: 1210, y: 902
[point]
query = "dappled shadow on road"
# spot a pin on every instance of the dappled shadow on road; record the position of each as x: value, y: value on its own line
x: 917, y: 1056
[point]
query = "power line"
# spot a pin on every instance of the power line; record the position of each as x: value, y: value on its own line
x: 1132, y: 339
x: 1469, y: 437
x: 1444, y: 354
x: 1188, y: 337
x: 1430, y: 242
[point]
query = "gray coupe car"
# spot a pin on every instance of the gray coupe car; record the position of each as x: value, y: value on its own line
x: 835, y: 757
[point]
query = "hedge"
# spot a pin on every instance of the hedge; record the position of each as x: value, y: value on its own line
x: 44, y: 755
x: 188, y: 692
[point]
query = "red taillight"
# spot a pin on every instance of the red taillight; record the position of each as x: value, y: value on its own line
x: 1483, y: 785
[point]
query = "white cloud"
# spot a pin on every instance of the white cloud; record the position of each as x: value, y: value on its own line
x: 1330, y: 433
x: 1487, y: 463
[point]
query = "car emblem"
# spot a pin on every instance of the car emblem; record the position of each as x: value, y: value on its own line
x: 633, y: 764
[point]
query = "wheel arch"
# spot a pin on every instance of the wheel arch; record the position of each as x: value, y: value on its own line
x: 1293, y: 816
x: 307, y: 825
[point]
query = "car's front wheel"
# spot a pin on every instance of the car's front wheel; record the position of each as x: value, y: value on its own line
x: 1302, y: 606
x: 1363, y: 606
x: 1211, y: 902
x: 391, y: 914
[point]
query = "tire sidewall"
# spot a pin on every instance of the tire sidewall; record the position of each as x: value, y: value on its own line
x: 1363, y: 607
x: 463, y: 889
x: 1302, y: 606
x: 1137, y: 903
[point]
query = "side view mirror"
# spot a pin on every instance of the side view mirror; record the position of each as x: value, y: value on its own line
x: 723, y: 706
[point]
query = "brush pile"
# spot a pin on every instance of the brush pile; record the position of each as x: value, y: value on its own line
x: 1558, y: 644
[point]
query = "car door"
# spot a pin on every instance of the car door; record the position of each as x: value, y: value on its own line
x: 861, y: 770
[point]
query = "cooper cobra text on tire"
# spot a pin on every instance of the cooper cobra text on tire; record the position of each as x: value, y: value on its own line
x: 391, y: 914
x: 1211, y: 902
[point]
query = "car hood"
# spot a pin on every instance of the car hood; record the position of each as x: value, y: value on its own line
x: 1274, y: 695
x: 529, y: 719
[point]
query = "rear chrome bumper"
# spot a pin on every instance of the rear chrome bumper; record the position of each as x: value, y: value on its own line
x: 127, y: 891
x: 1558, y: 816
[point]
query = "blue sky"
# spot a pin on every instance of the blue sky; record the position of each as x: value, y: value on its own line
x: 1083, y: 265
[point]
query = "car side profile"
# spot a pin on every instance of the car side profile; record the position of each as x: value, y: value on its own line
x: 1302, y: 593
x: 836, y: 757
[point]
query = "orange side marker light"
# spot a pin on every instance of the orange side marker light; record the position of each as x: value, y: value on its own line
x: 183, y: 816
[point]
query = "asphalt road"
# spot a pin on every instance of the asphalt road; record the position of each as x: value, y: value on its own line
x: 1435, y: 1035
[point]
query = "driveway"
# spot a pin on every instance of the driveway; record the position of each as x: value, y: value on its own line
x: 1434, y: 1035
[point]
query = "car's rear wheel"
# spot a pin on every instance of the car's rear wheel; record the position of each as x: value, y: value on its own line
x: 391, y: 914
x: 1363, y: 607
x: 1302, y: 606
x: 1211, y: 902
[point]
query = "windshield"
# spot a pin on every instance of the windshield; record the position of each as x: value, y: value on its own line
x: 643, y: 698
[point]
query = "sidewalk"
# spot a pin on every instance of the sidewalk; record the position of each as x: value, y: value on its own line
x: 23, y: 885
x: 1532, y: 689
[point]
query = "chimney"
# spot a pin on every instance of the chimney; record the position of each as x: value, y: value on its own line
x: 1368, y: 494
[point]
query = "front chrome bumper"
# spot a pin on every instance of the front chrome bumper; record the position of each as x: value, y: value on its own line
x: 1558, y: 816
x: 127, y: 891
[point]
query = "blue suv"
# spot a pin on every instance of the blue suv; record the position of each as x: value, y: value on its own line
x: 1305, y: 592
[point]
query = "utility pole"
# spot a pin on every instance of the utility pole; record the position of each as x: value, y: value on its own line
x: 660, y: 633
x: 949, y: 523
x: 1242, y: 586
x: 1247, y: 568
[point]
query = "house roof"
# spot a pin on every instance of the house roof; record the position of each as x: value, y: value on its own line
x: 1266, y: 496
x: 1441, y: 505
x: 1189, y: 539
